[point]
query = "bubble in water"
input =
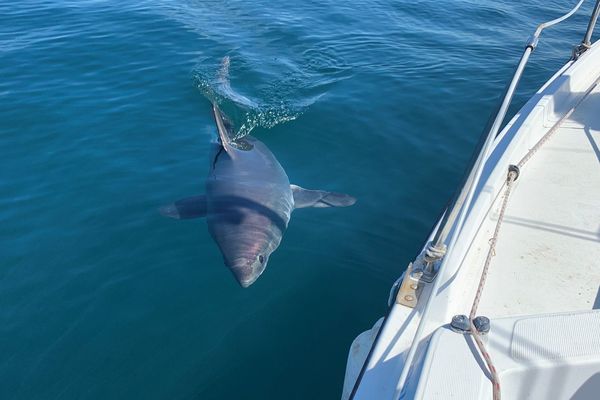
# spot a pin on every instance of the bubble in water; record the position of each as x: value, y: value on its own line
x: 265, y: 118
x: 280, y: 100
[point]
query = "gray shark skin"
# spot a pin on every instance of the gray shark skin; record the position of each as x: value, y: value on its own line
x: 249, y: 203
x: 249, y: 200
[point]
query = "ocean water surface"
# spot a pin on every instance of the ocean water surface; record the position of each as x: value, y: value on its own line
x: 105, y: 116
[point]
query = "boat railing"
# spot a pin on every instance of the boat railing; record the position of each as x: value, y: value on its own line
x: 427, y: 267
x: 436, y: 249
x: 587, y: 39
x: 453, y: 219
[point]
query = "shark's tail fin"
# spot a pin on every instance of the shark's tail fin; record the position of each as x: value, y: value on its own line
x: 224, y: 71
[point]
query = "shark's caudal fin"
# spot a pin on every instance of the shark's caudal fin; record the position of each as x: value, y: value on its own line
x: 223, y: 73
x: 225, y: 86
x: 188, y: 208
x: 319, y: 198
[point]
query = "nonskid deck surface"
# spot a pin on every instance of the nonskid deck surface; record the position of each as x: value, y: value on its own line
x: 548, y: 251
x: 543, y: 280
x: 544, y: 275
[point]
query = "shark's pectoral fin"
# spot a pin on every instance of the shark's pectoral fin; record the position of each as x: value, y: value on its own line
x: 190, y: 207
x: 319, y: 198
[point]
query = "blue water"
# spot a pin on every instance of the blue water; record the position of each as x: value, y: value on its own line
x: 105, y: 116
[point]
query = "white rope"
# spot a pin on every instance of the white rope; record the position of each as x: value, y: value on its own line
x: 557, y: 125
x: 512, y: 176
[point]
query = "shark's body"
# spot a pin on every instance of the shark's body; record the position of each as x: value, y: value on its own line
x: 248, y: 201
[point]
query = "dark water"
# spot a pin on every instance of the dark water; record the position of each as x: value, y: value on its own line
x: 104, y: 117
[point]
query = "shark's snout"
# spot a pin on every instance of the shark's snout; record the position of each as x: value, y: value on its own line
x: 246, y: 271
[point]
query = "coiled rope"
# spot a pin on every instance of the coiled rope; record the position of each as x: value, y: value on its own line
x: 511, y: 177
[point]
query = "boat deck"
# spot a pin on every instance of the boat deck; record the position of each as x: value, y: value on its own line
x: 550, y: 236
x: 544, y: 280
x: 542, y: 292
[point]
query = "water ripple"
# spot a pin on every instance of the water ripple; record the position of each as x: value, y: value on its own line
x: 105, y: 117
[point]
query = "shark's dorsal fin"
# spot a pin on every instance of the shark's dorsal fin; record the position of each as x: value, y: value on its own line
x: 224, y: 127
